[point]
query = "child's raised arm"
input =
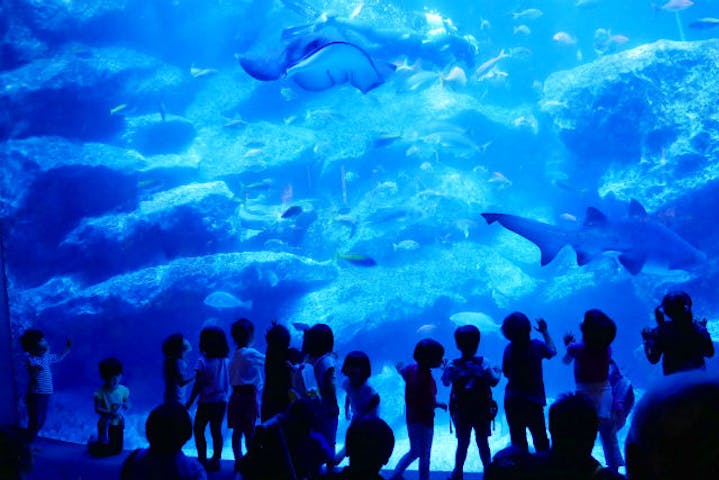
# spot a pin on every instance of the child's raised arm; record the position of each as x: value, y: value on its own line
x: 544, y: 330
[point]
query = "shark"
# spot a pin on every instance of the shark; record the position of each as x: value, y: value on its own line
x: 640, y: 242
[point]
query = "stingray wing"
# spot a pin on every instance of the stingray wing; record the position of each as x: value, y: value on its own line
x: 333, y: 64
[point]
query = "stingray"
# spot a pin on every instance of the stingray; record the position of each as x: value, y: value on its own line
x: 319, y: 63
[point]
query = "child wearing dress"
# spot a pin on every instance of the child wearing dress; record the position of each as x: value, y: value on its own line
x: 211, y: 386
x: 420, y: 398
x: 471, y: 401
x: 175, y: 347
x: 361, y: 400
x: 111, y: 403
x: 592, y: 357
x: 40, y: 388
x: 245, y: 368
x: 524, y: 396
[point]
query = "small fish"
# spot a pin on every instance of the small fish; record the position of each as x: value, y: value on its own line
x: 358, y: 259
x: 705, y: 23
x: 528, y: 14
x: 385, y: 139
x: 263, y: 184
x: 676, y: 5
x: 407, y: 245
x: 568, y: 217
x: 522, y: 30
x: 255, y: 144
x: 563, y: 38
x: 490, y: 63
x: 148, y: 182
x: 421, y: 80
x: 224, y: 300
x: 587, y: 3
x: 357, y: 10
x: 253, y: 152
x: 162, y: 110
x: 456, y: 77
x: 118, y: 109
x: 427, y: 329
x: 500, y: 179
x: 301, y: 326
x: 293, y: 211
x: 201, y: 72
x: 236, y: 123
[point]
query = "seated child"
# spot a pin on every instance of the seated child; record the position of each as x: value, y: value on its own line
x: 111, y: 403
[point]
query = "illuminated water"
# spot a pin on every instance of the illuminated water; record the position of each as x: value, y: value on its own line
x: 143, y: 170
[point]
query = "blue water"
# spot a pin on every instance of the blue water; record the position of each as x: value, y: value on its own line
x: 143, y: 170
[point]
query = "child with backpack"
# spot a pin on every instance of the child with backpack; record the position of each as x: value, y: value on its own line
x: 471, y: 405
x: 420, y: 397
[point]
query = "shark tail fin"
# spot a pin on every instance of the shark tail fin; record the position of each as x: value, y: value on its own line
x: 542, y: 235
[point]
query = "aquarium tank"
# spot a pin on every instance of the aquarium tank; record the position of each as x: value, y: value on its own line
x: 394, y: 169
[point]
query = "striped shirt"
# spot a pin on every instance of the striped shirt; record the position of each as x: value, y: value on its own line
x: 40, y: 374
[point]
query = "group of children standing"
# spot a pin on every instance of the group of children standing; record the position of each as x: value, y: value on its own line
x: 286, y: 376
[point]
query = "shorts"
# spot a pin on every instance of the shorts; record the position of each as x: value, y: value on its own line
x: 242, y: 409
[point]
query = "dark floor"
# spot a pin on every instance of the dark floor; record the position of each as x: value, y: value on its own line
x: 56, y: 460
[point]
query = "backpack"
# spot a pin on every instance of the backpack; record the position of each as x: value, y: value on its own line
x: 304, y: 382
x: 622, y: 394
x: 471, y: 395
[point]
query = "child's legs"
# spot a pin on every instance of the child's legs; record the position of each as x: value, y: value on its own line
x: 482, y: 439
x: 216, y: 415
x: 116, y: 434
x: 464, y: 432
x: 610, y: 444
x: 103, y: 429
x: 537, y: 426
x: 202, y: 418
x: 425, y: 450
x: 516, y: 421
x: 413, y: 432
x: 37, y: 404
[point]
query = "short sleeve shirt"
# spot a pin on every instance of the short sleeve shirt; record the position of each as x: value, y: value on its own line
x: 40, y: 373
x: 246, y: 368
x: 360, y: 398
x: 419, y: 394
x: 590, y: 366
x: 213, y: 378
x: 112, y: 398
x: 522, y: 365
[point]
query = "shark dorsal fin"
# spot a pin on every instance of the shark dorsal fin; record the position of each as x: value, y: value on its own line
x: 594, y: 218
x: 633, y: 263
x: 636, y: 209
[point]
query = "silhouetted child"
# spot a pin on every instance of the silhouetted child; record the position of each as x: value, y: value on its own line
x: 211, y: 385
x: 683, y: 341
x: 174, y: 370
x: 111, y: 403
x: 471, y: 403
x: 361, y: 400
x: 40, y: 387
x: 524, y: 396
x: 318, y: 344
x: 278, y: 373
x: 369, y: 443
x: 245, y: 369
x: 168, y: 428
x: 592, y: 357
x: 420, y: 398
x: 573, y: 425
